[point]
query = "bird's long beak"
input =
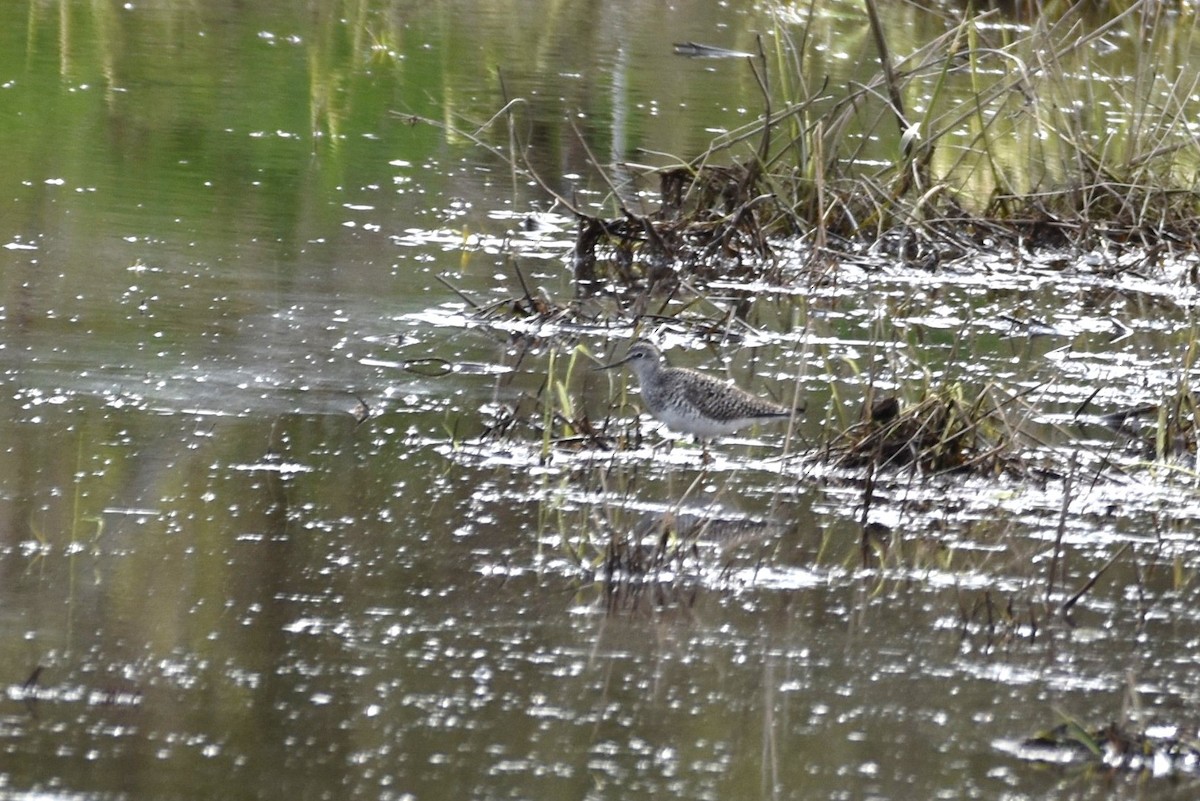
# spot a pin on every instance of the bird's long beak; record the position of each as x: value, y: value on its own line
x: 610, y: 365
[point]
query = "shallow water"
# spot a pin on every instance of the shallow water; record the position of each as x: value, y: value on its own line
x: 222, y: 250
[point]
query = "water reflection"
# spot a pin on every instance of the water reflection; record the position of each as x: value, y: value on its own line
x: 282, y: 511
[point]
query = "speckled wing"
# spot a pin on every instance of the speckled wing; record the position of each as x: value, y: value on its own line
x: 725, y: 403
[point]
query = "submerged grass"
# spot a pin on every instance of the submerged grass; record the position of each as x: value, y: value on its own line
x: 646, y: 555
x: 1164, y: 432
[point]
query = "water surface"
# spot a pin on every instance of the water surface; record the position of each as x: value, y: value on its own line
x: 224, y: 240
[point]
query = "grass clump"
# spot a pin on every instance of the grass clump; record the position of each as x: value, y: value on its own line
x: 1033, y: 134
x: 942, y: 432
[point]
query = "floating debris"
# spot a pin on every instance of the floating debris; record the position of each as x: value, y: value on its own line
x: 1114, y: 746
x: 697, y: 50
